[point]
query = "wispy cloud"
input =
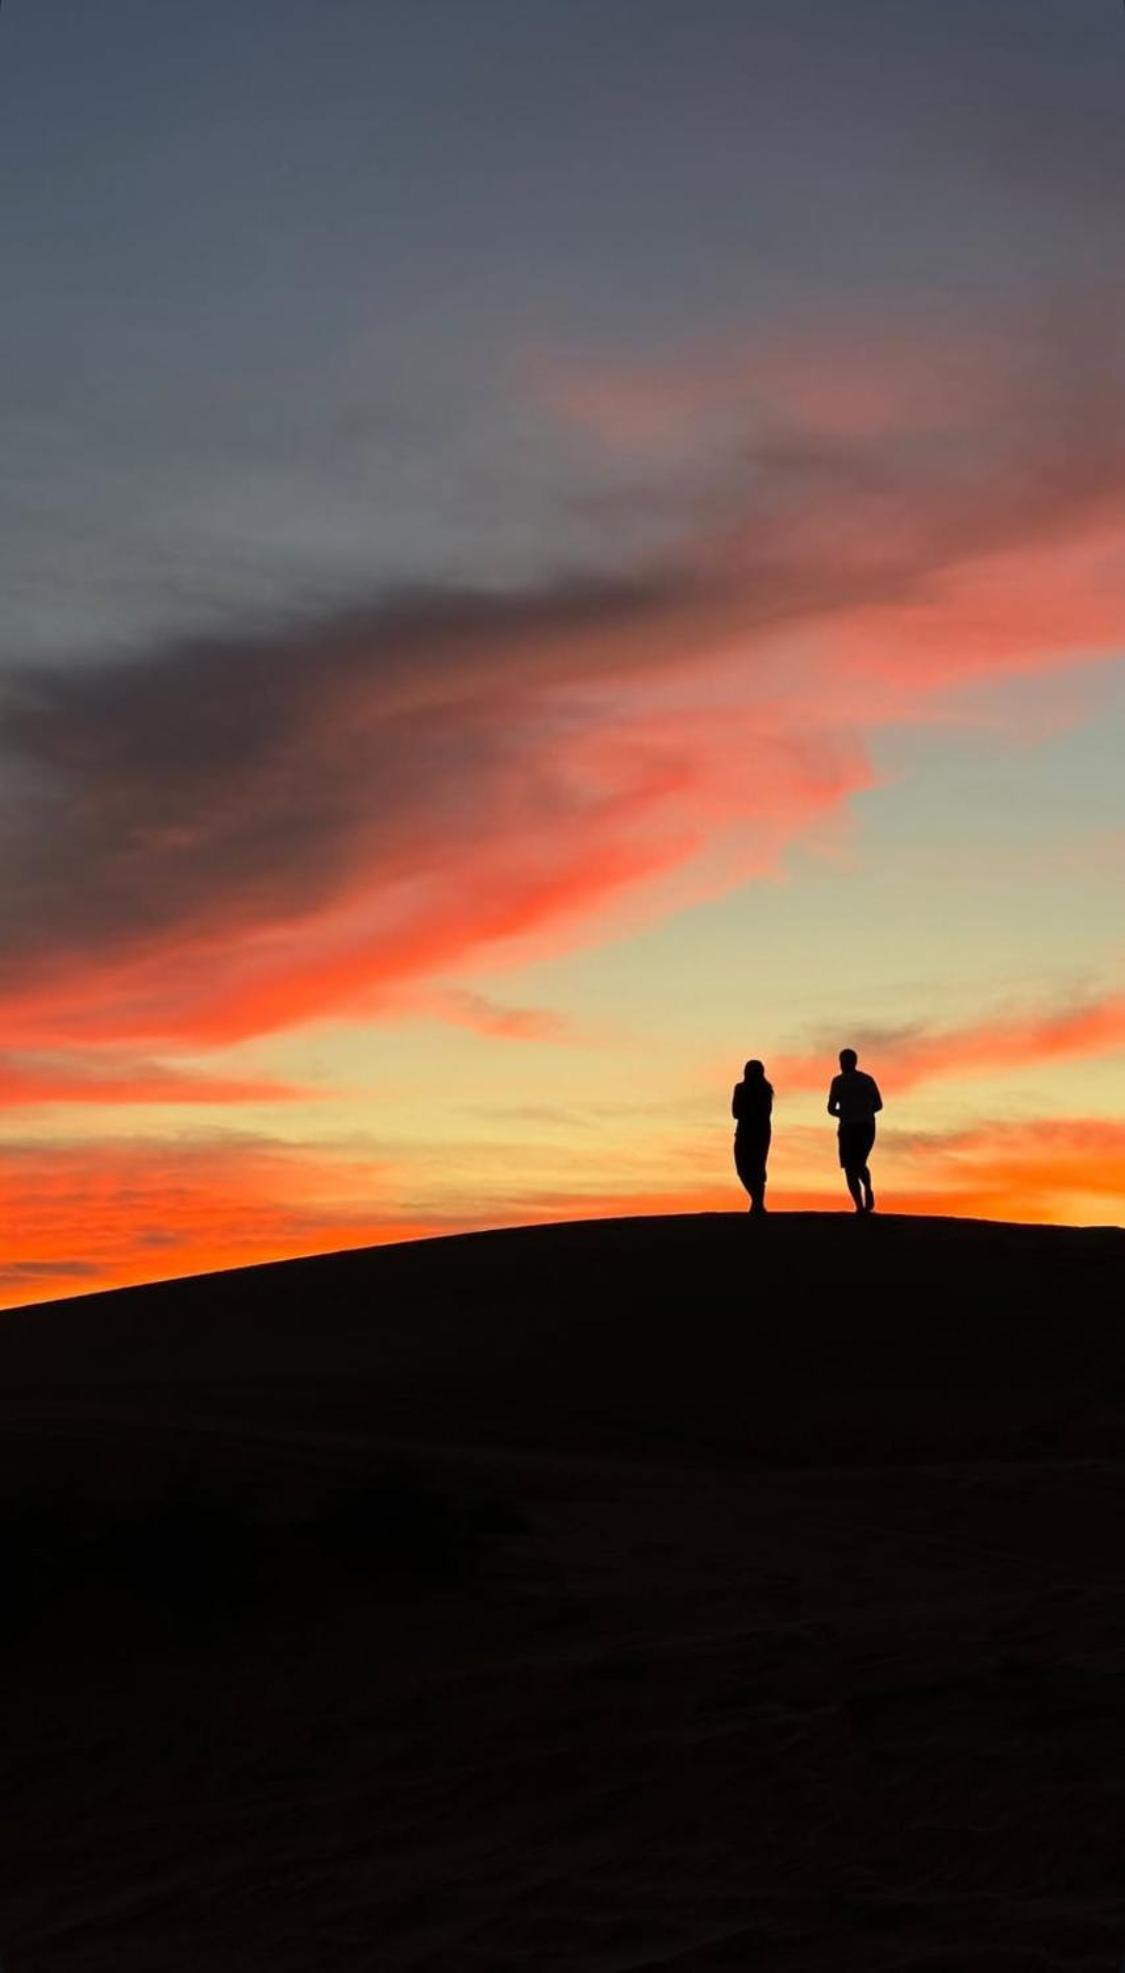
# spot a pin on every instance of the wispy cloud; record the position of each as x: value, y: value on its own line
x: 1057, y: 1169
x: 1070, y: 1170
x: 83, y: 1214
x: 232, y: 836
x: 1018, y: 1038
x: 29, y: 1081
x: 476, y: 1011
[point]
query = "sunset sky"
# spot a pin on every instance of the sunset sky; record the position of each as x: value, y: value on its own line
x: 546, y: 547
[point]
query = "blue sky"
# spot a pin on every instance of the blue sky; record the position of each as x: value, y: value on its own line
x: 272, y: 271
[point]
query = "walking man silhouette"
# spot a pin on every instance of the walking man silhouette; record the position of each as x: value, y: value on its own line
x: 854, y: 1098
x: 751, y: 1106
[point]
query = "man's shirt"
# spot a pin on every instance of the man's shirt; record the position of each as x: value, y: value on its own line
x: 854, y: 1097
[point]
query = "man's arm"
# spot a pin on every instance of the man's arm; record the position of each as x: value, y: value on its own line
x: 876, y: 1099
x: 735, y: 1105
x: 834, y: 1098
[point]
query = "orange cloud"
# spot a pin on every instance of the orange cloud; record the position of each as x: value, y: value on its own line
x: 1070, y: 1170
x: 235, y: 836
x: 30, y: 1081
x: 904, y: 1057
x: 80, y: 1217
x: 84, y: 1216
x: 484, y: 1016
x: 556, y: 825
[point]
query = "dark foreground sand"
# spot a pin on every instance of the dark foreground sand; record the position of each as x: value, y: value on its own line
x: 678, y: 1593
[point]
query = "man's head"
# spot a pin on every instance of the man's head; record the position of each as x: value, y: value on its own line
x: 754, y: 1069
x: 848, y: 1059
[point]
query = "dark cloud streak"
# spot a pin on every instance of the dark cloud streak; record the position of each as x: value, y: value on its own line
x: 186, y: 821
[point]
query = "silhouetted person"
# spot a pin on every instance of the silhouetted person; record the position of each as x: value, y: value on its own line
x: 854, y: 1098
x: 751, y: 1106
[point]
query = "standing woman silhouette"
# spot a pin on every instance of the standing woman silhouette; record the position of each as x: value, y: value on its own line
x: 751, y: 1106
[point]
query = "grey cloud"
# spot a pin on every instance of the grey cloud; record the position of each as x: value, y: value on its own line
x: 873, y: 1037
x: 15, y: 1272
x: 216, y: 790
x: 175, y: 786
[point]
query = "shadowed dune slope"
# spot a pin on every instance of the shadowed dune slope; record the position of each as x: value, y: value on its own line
x: 800, y: 1335
x: 656, y: 1593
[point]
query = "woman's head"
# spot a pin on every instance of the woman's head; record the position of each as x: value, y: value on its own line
x: 754, y: 1071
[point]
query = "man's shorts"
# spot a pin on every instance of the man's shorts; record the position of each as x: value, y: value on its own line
x: 856, y: 1141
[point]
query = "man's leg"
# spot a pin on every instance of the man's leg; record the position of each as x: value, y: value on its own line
x: 868, y: 1193
x: 855, y: 1187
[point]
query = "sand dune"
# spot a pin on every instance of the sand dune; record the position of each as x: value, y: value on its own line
x: 683, y: 1593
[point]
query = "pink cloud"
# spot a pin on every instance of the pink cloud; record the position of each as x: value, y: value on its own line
x: 228, y: 838
x: 106, y: 1076
x: 476, y: 1011
x: 1022, y: 1038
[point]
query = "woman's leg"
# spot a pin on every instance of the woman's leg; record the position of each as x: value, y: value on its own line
x: 758, y: 1195
x: 750, y: 1154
